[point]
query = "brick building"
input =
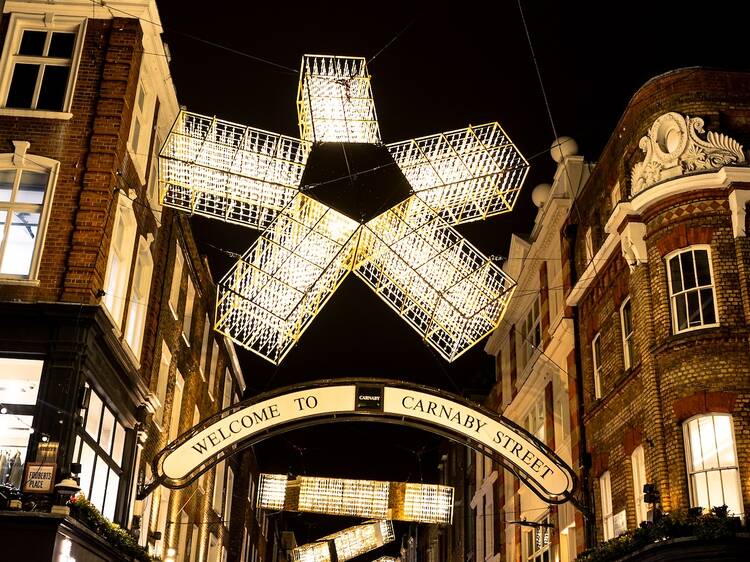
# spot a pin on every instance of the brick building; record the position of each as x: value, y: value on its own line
x: 106, y: 346
x: 625, y: 346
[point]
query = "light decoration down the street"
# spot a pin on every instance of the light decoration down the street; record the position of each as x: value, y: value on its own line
x: 346, y: 544
x: 386, y: 559
x: 388, y: 215
x: 401, y: 501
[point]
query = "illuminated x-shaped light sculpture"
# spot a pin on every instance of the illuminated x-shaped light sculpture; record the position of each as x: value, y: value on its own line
x: 339, y: 200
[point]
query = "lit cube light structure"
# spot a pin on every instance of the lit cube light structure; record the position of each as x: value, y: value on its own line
x: 401, y: 501
x: 387, y: 214
x: 386, y: 559
x: 346, y: 544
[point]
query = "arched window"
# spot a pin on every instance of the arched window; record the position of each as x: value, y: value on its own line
x: 691, y: 289
x: 26, y: 187
x: 713, y: 473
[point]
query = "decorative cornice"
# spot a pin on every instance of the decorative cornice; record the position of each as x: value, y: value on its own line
x: 673, y: 148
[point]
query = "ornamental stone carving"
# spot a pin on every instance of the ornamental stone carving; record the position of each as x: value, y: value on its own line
x: 673, y: 148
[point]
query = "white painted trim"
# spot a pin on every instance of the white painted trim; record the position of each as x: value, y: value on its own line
x: 35, y: 113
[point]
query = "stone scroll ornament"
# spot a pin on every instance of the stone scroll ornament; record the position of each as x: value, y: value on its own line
x: 338, y: 200
x: 673, y: 147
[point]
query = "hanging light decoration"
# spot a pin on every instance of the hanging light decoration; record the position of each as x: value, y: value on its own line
x: 386, y: 559
x: 346, y: 544
x: 407, y: 252
x: 401, y: 501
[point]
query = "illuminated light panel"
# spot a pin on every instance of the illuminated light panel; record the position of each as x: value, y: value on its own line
x: 386, y: 559
x: 421, y: 503
x: 268, y: 298
x: 449, y: 292
x: 334, y: 100
x: 272, y: 491
x: 466, y: 175
x: 428, y: 503
x: 232, y: 172
x: 445, y: 289
x: 348, y: 544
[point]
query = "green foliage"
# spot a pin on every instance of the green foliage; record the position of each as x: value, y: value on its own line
x: 715, y: 525
x: 87, y: 514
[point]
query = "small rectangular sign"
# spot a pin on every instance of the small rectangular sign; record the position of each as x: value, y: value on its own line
x: 369, y: 397
x: 39, y: 478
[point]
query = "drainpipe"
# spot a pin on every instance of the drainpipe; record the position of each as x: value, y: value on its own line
x: 587, y: 507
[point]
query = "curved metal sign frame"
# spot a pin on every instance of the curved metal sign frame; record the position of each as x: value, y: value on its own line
x: 364, y: 399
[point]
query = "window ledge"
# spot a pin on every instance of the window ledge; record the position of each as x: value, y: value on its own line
x: 14, y: 281
x: 37, y: 113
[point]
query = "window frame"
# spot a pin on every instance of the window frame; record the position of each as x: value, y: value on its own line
x: 114, y: 304
x: 608, y: 518
x: 18, y: 23
x: 689, y: 460
x: 596, y: 358
x: 140, y: 292
x: 638, y: 466
x: 672, y: 297
x: 627, y: 340
x: 531, y: 553
x: 20, y: 161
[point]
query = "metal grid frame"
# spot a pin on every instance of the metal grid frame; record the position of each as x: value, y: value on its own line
x: 334, y: 100
x: 467, y: 174
x: 448, y: 291
x: 236, y: 173
x: 269, y: 297
x: 349, y: 543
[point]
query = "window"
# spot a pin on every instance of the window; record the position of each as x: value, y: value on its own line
x: 144, y: 266
x: 228, y: 490
x: 119, y: 260
x: 605, y: 491
x: 187, y: 320
x: 161, y: 520
x: 194, y: 544
x: 589, y: 245
x: 535, y: 418
x: 626, y: 325
x: 218, y: 486
x: 174, y: 289
x: 691, y: 290
x: 204, y: 347
x: 19, y: 387
x: 712, y: 462
x: 532, y: 332
x: 596, y: 356
x: 183, y: 546
x: 161, y: 382
x: 174, y: 420
x: 538, y: 542
x: 26, y: 186
x: 40, y: 59
x: 213, y: 548
x: 226, y: 399
x: 139, y: 131
x: 100, y: 448
x: 212, y: 371
x: 638, y: 462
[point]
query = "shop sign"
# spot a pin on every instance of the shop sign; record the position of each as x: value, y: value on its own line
x: 39, y: 478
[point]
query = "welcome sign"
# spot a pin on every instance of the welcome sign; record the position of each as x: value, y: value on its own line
x: 373, y: 400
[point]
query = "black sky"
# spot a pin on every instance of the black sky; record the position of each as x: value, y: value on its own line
x: 457, y: 64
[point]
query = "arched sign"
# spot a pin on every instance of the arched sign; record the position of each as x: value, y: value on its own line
x: 377, y: 400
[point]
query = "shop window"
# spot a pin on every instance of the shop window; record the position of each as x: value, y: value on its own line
x: 187, y: 320
x: 538, y: 542
x: 26, y: 189
x: 120, y: 257
x: 174, y: 289
x: 161, y: 383
x: 712, y: 462
x: 605, y: 491
x: 596, y: 356
x: 691, y: 290
x: 134, y: 327
x: 40, y: 61
x: 100, y: 448
x: 626, y: 326
x: 638, y: 462
x: 19, y: 388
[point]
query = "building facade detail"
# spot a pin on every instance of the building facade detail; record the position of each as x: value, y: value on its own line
x: 673, y: 147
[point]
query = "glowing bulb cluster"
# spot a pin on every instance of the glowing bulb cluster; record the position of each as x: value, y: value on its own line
x: 346, y: 544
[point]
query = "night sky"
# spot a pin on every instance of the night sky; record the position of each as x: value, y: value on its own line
x: 451, y: 66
